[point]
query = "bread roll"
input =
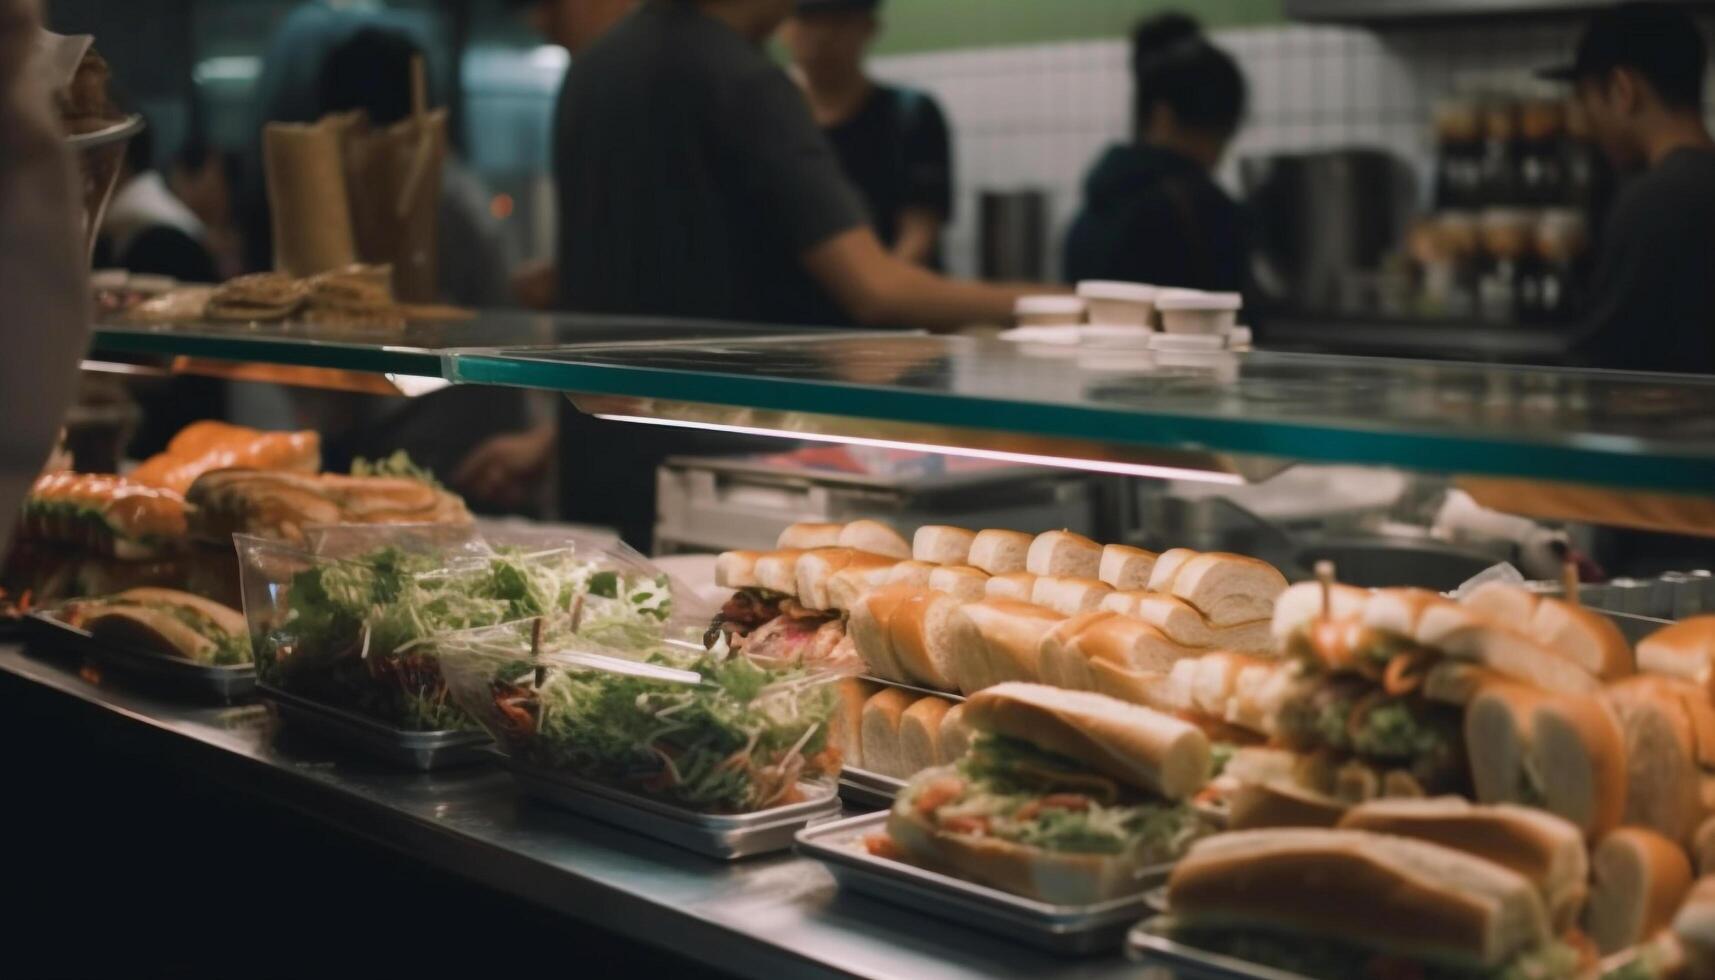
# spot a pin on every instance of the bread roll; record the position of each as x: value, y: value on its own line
x: 847, y: 731
x: 846, y: 586
x: 1638, y: 880
x: 1229, y: 589
x: 1064, y: 554
x: 1132, y: 744
x: 1665, y: 768
x: 816, y: 570
x: 920, y: 734
x: 913, y: 573
x: 940, y: 544
x: 1584, y: 636
x: 1565, y: 750
x: 1058, y: 663
x: 1400, y: 611
x: 777, y: 571
x: 1395, y: 895
x: 1281, y: 803
x: 998, y: 640
x: 1460, y: 633
x: 1299, y: 605
x: 869, y: 630
x: 1685, y: 650
x: 955, y: 735
x: 874, y: 537
x: 1014, y: 585
x: 1126, y: 568
x: 1068, y: 595
x: 1130, y: 644
x: 737, y: 569
x: 1541, y: 846
x: 1000, y: 552
x: 882, y: 714
x: 962, y: 582
x: 1502, y: 602
x: 1144, y: 687
x: 1703, y: 846
x: 920, y: 634
x: 804, y: 536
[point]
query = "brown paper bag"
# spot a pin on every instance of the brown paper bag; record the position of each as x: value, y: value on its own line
x: 393, y: 180
x: 306, y: 173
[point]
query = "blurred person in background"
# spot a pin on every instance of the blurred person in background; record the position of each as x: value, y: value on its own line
x: 1638, y: 76
x: 206, y: 178
x: 892, y: 142
x: 147, y: 229
x: 1152, y: 211
x: 43, y: 269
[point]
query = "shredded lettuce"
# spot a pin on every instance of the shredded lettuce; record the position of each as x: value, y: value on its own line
x: 399, y: 464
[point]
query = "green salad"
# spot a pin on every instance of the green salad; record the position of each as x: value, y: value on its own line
x: 355, y: 632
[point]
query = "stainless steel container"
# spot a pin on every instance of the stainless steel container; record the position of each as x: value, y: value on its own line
x: 1014, y: 230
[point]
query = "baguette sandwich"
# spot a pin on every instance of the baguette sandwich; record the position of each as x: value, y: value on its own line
x: 1063, y: 796
x: 281, y: 504
x: 1685, y: 650
x: 1356, y: 905
x: 165, y: 621
x: 102, y: 514
x: 203, y: 447
x: 765, y: 616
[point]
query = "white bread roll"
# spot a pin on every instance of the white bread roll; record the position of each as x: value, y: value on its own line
x: 998, y: 640
x: 737, y: 569
x: 940, y: 544
x: 1067, y: 595
x: 846, y: 586
x: 1144, y: 687
x: 847, y: 731
x: 1541, y: 846
x: 1685, y: 650
x: 1463, y: 634
x: 920, y: 734
x: 1124, y: 603
x: 1216, y: 680
x: 777, y: 571
x: 1058, y: 662
x: 816, y: 568
x: 1259, y: 691
x: 874, y: 537
x: 1058, y: 878
x: 882, y: 714
x: 913, y: 573
x: 1013, y: 585
x: 962, y: 582
x: 1570, y: 746
x: 1134, y: 745
x: 1661, y: 718
x: 999, y: 552
x: 1131, y: 645
x: 1503, y: 602
x: 1126, y: 568
x: 1400, y: 611
x: 1166, y: 569
x: 868, y: 628
x: 805, y: 536
x: 920, y: 635
x: 1280, y: 802
x: 1396, y: 895
x: 1229, y: 589
x: 1295, y: 608
x: 1584, y: 636
x: 954, y: 738
x: 1638, y: 880
x: 1184, y: 624
x: 1064, y: 554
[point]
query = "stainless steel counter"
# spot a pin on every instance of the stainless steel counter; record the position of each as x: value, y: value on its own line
x: 774, y: 917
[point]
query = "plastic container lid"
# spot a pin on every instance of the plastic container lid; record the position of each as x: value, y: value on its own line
x: 1192, y: 299
x: 1048, y: 306
x: 1130, y: 292
x: 1197, y: 342
x: 1238, y: 337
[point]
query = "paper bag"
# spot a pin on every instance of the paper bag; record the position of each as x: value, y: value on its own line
x: 306, y: 173
x: 393, y: 178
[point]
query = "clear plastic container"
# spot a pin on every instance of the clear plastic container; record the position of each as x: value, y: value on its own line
x: 704, y: 731
x: 350, y: 624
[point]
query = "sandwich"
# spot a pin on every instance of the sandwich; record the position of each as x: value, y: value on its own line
x: 1564, y: 753
x: 281, y: 504
x: 764, y: 618
x: 1065, y: 797
x: 105, y: 515
x: 165, y: 621
x: 1102, y: 651
x: 204, y: 446
x: 1638, y: 880
x: 1226, y: 589
x: 1357, y: 905
x: 1125, y: 568
x: 1684, y: 950
x: 1183, y: 623
x: 997, y: 640
x: 1588, y: 639
x: 1669, y: 730
x: 1544, y: 848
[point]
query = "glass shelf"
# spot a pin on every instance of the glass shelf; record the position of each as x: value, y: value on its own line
x: 1589, y: 427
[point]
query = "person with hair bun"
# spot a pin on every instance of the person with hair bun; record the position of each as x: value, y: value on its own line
x: 1152, y: 211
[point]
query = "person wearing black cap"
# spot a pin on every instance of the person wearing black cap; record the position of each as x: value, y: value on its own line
x: 1638, y: 75
x: 892, y: 142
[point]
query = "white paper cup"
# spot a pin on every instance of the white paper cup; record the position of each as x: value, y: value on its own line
x: 1188, y: 311
x: 1119, y: 304
x: 1048, y: 311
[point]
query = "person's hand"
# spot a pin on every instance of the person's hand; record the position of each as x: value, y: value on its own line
x: 504, y: 469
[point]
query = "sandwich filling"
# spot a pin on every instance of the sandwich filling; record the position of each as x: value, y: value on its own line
x: 1010, y: 790
x: 227, y: 648
x: 773, y: 627
x: 1359, y: 695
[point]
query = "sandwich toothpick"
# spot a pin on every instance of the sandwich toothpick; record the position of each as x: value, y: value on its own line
x: 1569, y: 581
x: 536, y: 649
x: 1325, y: 575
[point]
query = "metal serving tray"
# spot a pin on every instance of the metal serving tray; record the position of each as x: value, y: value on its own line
x: 1148, y: 943
x: 1059, y: 928
x: 225, y: 684
x: 871, y: 790
x: 420, y: 751
x: 725, y: 837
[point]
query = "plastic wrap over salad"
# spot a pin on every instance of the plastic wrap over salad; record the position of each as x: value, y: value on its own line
x: 351, y: 622
x: 707, y: 730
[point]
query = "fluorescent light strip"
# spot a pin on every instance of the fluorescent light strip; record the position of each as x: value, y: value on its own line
x: 1030, y: 459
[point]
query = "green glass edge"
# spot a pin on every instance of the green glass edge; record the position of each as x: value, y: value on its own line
x: 1328, y: 443
x: 371, y: 359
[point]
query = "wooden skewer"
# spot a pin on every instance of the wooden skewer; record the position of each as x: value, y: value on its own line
x: 1325, y: 575
x: 536, y: 649
x: 1569, y: 581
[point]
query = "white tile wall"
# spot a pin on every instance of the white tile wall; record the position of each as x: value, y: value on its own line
x: 1036, y: 116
